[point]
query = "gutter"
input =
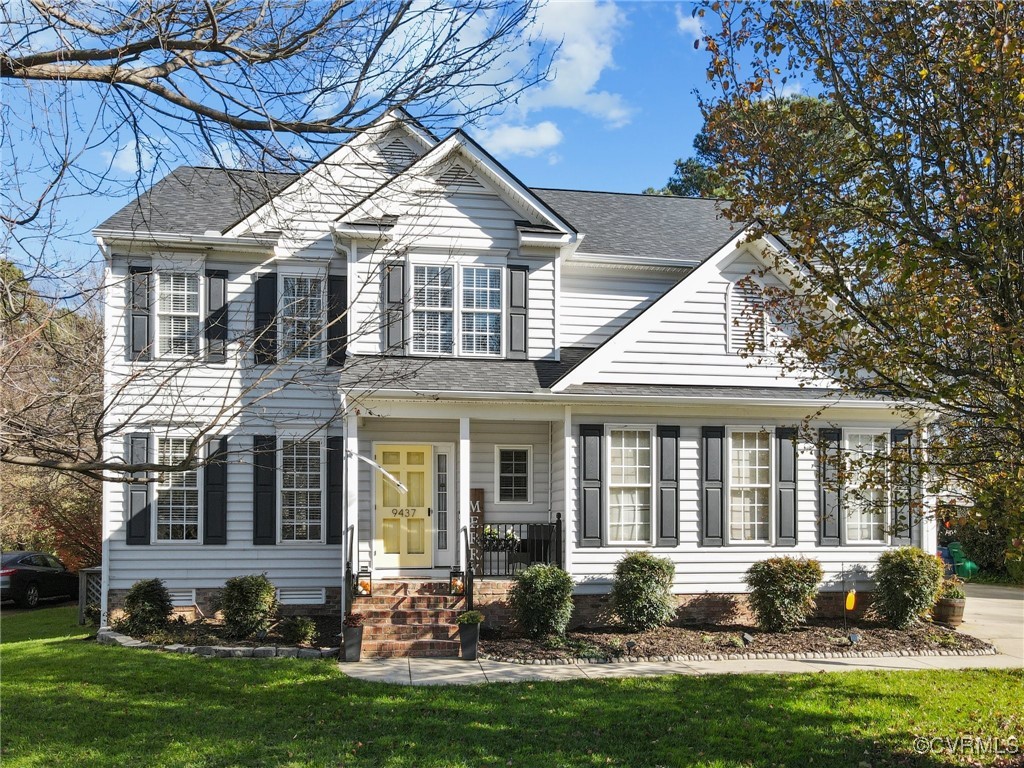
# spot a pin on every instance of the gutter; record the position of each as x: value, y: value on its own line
x: 177, y: 240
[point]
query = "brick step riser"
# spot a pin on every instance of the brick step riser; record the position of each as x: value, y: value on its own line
x: 410, y: 588
x: 410, y: 603
x: 439, y: 616
x: 410, y: 648
x: 409, y: 632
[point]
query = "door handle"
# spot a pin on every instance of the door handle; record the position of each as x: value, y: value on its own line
x: 430, y: 512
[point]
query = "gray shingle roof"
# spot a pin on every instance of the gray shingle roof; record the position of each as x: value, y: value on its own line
x: 191, y: 201
x: 418, y: 374
x: 653, y: 226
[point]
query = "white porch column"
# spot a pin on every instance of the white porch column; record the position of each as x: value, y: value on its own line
x: 463, y: 510
x: 569, y: 513
x: 351, y: 537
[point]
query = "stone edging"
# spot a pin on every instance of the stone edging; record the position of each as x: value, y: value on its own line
x: 110, y: 637
x: 806, y: 656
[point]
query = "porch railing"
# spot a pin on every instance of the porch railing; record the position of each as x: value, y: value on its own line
x: 504, y: 549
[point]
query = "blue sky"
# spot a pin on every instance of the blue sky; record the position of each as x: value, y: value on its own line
x: 617, y: 111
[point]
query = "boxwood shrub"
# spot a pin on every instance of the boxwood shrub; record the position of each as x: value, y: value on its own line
x: 782, y: 591
x: 147, y: 608
x: 642, y: 591
x: 541, y: 598
x: 907, y: 583
x: 248, y: 605
x: 298, y: 630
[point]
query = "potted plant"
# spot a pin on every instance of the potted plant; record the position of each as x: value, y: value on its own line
x: 352, y: 631
x: 469, y: 633
x: 949, y: 608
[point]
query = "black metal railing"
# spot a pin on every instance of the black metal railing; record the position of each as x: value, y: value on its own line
x: 504, y: 549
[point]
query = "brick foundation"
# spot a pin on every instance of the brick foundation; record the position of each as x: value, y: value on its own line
x: 205, y: 600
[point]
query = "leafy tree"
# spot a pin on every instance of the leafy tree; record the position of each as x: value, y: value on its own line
x: 900, y: 193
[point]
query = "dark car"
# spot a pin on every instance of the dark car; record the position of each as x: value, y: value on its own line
x: 28, y: 577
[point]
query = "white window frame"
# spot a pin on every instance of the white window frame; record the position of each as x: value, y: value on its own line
x: 735, y: 339
x: 652, y: 486
x: 463, y: 311
x: 155, y: 458
x: 772, y: 485
x: 457, y: 311
x: 849, y: 481
x: 497, y: 474
x: 314, y: 349
x: 301, y: 436
x: 170, y: 268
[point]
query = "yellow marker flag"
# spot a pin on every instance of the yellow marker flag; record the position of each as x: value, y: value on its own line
x: 851, y: 599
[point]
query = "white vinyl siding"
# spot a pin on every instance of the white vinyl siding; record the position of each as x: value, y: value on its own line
x: 865, y: 494
x: 481, y: 311
x: 630, y: 489
x: 433, y: 310
x: 177, y: 314
x: 177, y: 494
x: 302, y: 317
x: 595, y: 303
x: 302, y: 494
x: 750, y: 486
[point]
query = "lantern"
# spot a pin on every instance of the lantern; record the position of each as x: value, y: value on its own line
x: 457, y: 583
x: 364, y: 583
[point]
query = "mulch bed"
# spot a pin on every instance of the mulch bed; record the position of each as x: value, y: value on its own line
x: 818, y: 636
x: 211, y: 632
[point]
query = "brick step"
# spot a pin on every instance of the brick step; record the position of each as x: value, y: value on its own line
x: 377, y: 632
x: 410, y: 648
x: 410, y: 588
x: 407, y: 603
x: 387, y: 616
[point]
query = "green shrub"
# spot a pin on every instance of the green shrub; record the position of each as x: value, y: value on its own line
x: 782, y: 591
x: 147, y: 608
x: 541, y: 598
x: 952, y: 589
x: 1015, y: 569
x: 642, y: 591
x: 298, y: 630
x: 470, y: 617
x: 907, y: 583
x: 248, y: 604
x: 984, y: 546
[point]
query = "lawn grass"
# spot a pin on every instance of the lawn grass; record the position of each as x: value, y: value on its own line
x: 70, y: 702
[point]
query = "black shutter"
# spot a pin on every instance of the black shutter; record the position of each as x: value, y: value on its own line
x: 265, y: 315
x: 215, y: 494
x: 712, y: 527
x: 591, y: 466
x: 139, y: 513
x: 335, y: 488
x: 139, y: 304
x: 903, y: 487
x: 394, y: 308
x: 668, y: 487
x: 830, y: 500
x: 264, y: 489
x: 785, y: 484
x: 216, y: 315
x: 518, y: 284
x: 337, y: 319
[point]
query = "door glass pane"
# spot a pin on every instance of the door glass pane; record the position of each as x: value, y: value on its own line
x: 414, y: 482
x: 392, y: 497
x: 414, y: 458
x: 389, y: 458
x: 392, y: 536
x: 417, y: 539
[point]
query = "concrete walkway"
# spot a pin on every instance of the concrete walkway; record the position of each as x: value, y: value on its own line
x: 994, y: 614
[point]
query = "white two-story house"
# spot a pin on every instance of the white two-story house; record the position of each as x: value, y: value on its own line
x: 404, y: 361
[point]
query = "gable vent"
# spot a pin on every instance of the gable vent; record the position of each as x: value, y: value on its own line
x: 182, y: 598
x: 302, y: 596
x: 746, y: 316
x: 398, y: 156
x: 459, y: 179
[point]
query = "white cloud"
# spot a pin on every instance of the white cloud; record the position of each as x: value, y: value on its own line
x: 688, y: 25
x: 527, y: 140
x: 791, y: 88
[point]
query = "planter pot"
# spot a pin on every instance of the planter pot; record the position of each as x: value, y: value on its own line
x: 469, y: 638
x: 353, y: 643
x: 949, y: 611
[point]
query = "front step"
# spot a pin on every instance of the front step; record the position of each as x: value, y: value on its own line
x: 409, y: 619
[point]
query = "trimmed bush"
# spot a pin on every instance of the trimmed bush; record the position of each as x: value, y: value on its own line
x: 298, y: 630
x: 642, y: 591
x: 541, y: 598
x: 782, y: 591
x: 907, y: 583
x: 248, y: 604
x: 147, y: 607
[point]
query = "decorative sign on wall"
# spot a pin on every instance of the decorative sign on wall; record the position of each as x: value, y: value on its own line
x: 476, y: 530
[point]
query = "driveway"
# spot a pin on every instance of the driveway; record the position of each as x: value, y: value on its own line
x: 996, y: 614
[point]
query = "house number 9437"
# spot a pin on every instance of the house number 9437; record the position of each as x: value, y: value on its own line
x: 403, y: 513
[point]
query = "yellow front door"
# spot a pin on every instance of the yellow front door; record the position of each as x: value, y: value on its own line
x: 403, y: 528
